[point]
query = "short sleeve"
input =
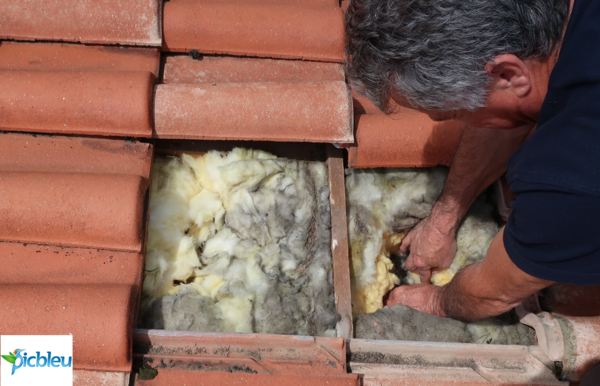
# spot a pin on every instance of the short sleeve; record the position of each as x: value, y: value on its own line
x: 554, y: 234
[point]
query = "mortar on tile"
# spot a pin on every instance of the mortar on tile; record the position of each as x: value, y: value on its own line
x: 383, y: 205
x: 239, y: 242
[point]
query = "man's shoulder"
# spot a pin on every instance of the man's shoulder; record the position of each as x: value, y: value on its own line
x: 564, y: 151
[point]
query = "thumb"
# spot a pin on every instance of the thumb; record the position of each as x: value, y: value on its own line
x: 405, y: 244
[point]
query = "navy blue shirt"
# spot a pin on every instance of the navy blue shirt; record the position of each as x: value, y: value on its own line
x: 553, y: 232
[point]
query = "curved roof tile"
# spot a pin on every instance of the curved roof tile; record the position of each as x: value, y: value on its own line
x: 264, y: 30
x: 98, y: 316
x: 77, y: 57
x: 77, y: 210
x: 49, y: 154
x: 406, y: 139
x: 131, y: 22
x: 297, y: 112
x: 89, y: 102
x: 210, y: 69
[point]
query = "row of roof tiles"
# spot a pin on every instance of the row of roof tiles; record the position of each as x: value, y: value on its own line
x: 71, y: 242
x: 309, y: 102
x: 310, y: 29
x: 92, y: 90
x: 121, y: 104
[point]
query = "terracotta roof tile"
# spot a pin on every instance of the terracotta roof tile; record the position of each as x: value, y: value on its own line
x: 581, y: 346
x: 132, y: 22
x: 309, y: 3
x: 284, y: 31
x: 183, y: 69
x: 94, y: 103
x: 100, y: 378
x: 78, y: 210
x: 81, y: 192
x: 77, y: 57
x: 169, y: 377
x: 299, y: 112
x: 35, y: 264
x: 98, y: 316
x: 362, y: 105
x: 39, y: 153
x: 279, y: 354
x: 407, y: 139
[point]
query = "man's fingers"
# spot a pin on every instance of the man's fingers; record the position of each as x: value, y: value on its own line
x: 423, y: 272
x: 425, y: 275
x: 409, y: 264
x: 395, y: 296
x: 405, y: 244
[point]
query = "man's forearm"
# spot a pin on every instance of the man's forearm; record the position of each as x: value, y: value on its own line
x: 459, y: 299
x: 489, y: 288
x: 480, y: 159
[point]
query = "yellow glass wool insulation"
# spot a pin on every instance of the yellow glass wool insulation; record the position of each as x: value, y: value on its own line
x: 383, y: 205
x: 239, y: 242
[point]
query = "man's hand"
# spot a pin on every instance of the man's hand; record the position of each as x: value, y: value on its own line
x: 421, y: 297
x: 430, y: 248
x: 478, y: 291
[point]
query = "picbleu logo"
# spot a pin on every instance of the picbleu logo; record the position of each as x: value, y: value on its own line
x: 19, y: 358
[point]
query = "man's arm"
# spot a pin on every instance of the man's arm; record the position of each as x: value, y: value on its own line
x: 480, y: 159
x: 479, y: 291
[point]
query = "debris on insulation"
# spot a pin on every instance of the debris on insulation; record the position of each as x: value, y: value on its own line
x: 239, y: 242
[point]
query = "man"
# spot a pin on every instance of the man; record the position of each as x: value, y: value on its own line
x: 503, y: 67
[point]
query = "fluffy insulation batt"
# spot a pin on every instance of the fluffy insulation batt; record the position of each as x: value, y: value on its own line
x: 383, y: 204
x: 239, y: 242
x: 404, y: 323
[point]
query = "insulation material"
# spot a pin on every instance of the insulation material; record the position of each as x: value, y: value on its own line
x: 383, y: 205
x: 404, y: 323
x: 239, y: 242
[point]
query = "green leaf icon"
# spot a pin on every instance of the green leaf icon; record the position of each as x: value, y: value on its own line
x: 10, y: 359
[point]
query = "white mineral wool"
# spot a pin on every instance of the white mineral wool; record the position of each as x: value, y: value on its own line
x: 382, y: 205
x: 239, y: 242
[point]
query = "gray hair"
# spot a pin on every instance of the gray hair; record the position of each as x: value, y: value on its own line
x: 434, y: 51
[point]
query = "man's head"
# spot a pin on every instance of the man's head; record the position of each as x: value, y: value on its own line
x: 448, y: 55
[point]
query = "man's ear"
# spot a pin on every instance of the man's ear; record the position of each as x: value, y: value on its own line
x: 510, y: 73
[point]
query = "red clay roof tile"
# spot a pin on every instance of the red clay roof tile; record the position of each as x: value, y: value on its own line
x: 78, y: 210
x: 169, y: 377
x: 35, y: 264
x: 582, y: 346
x: 183, y: 69
x: 407, y: 139
x: 96, y: 200
x: 362, y: 105
x: 94, y: 103
x: 100, y: 378
x: 278, y: 354
x: 132, y: 22
x: 98, y: 316
x: 40, y: 153
x: 284, y: 31
x: 77, y: 57
x: 298, y: 112
x: 309, y: 3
